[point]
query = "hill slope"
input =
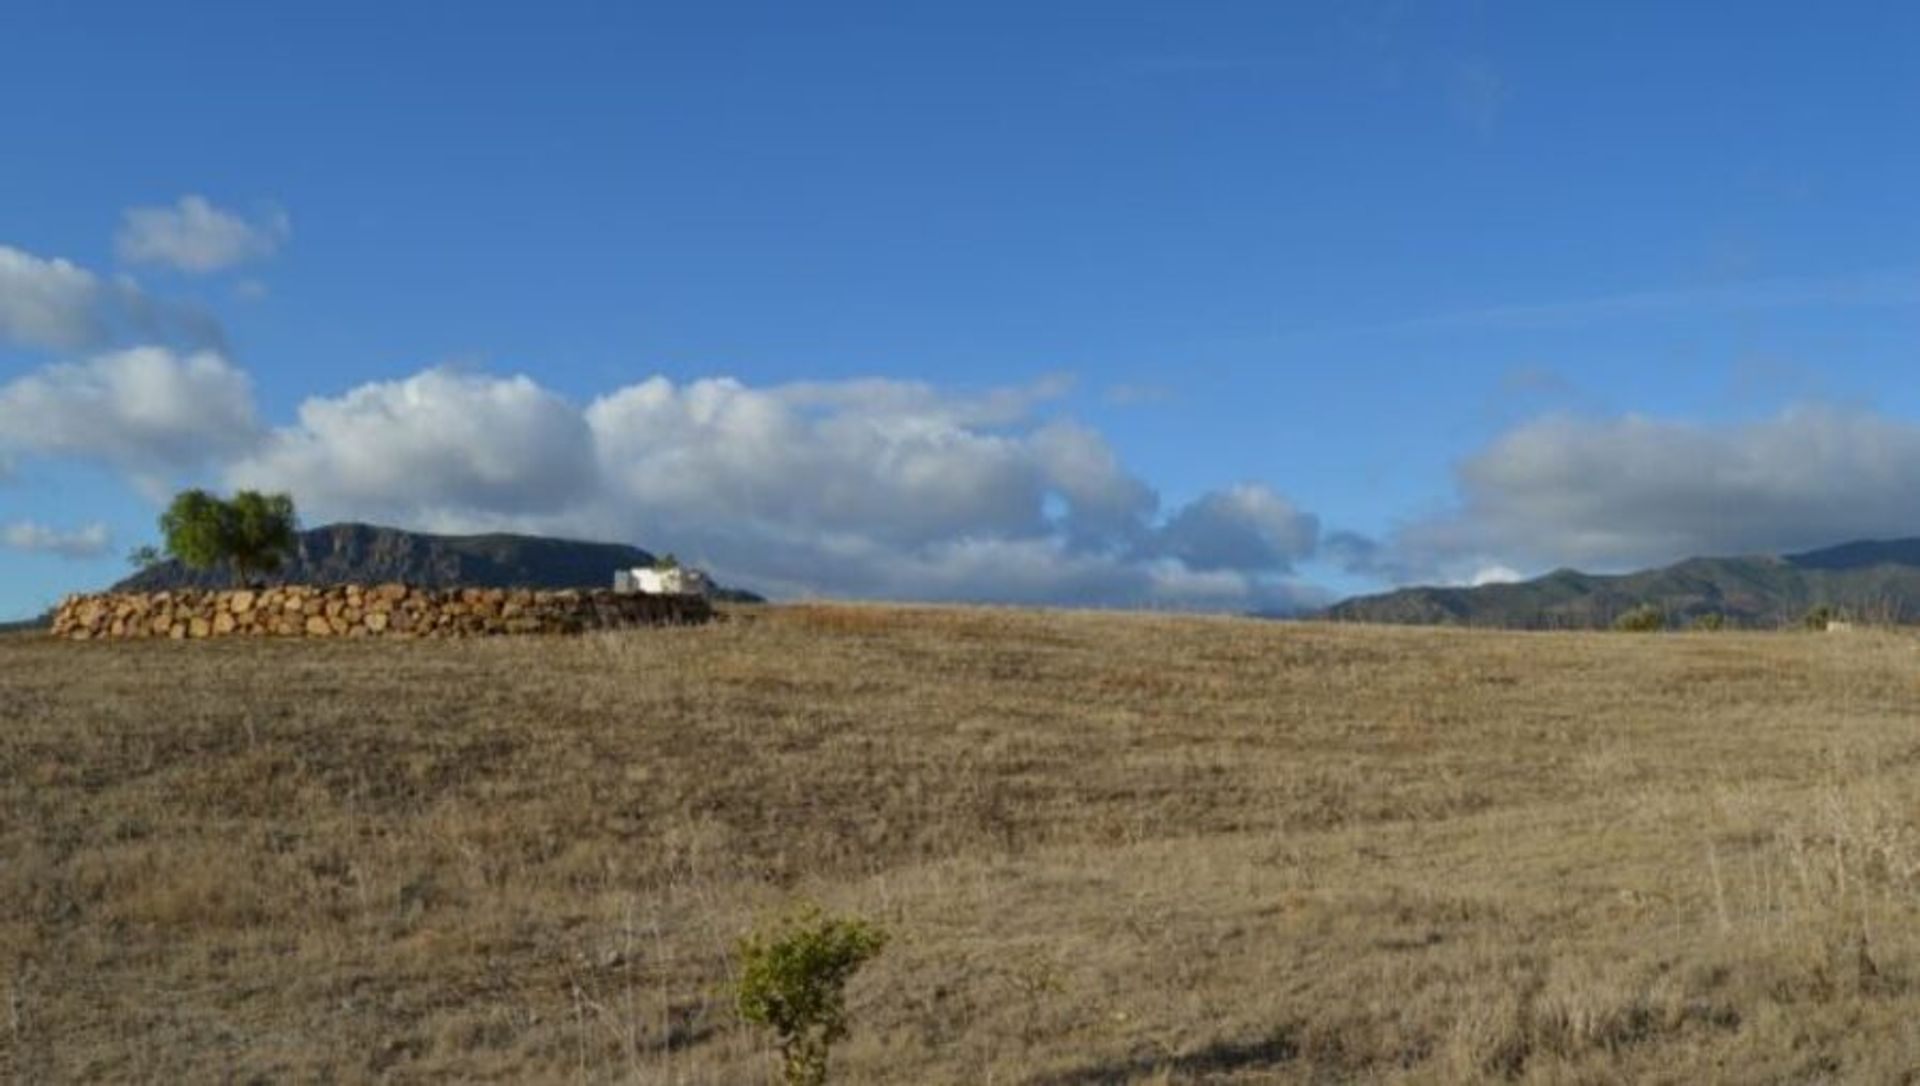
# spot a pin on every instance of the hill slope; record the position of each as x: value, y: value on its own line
x: 368, y: 554
x: 1876, y: 578
x: 1110, y: 848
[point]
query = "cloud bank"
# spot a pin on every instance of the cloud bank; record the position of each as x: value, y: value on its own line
x: 1635, y: 491
x: 195, y: 236
x: 876, y: 487
x: 53, y: 304
x: 438, y: 447
x: 25, y: 535
x: 883, y: 488
x: 861, y: 488
x: 873, y: 488
x: 869, y: 487
x: 149, y: 412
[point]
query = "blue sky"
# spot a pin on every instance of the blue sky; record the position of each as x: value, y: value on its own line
x: 1216, y: 305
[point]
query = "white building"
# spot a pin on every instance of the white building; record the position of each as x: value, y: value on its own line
x: 673, y: 581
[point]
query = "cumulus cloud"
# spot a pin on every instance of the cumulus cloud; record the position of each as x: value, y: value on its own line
x: 1104, y: 503
x: 25, y: 535
x: 431, y: 447
x: 55, y: 304
x: 1244, y: 527
x: 149, y: 412
x: 868, y: 460
x: 1634, y: 491
x: 195, y: 236
x: 46, y: 303
x: 1363, y: 555
x: 862, y: 488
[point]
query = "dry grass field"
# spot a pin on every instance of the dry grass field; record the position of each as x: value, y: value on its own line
x: 1108, y: 848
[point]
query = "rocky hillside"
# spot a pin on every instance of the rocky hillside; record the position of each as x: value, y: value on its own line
x: 368, y: 554
x: 1875, y: 579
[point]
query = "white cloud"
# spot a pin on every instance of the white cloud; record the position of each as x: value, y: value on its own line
x: 1636, y: 491
x: 25, y: 535
x: 1243, y: 527
x: 195, y: 236
x: 888, y: 461
x: 1105, y: 503
x: 858, y: 488
x: 439, y: 444
x: 1495, y: 574
x: 52, y: 303
x: 46, y: 303
x: 148, y: 412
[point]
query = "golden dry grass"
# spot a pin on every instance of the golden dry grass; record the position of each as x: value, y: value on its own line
x: 1109, y: 848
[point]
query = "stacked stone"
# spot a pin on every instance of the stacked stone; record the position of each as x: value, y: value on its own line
x: 389, y: 610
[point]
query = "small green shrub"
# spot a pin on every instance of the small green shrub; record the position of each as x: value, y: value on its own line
x: 793, y: 981
x: 1710, y: 622
x: 1645, y: 618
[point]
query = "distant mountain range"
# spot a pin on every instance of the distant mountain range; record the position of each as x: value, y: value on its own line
x: 368, y: 554
x: 1878, y: 580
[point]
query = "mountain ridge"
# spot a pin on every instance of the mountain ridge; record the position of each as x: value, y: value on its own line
x: 1870, y: 578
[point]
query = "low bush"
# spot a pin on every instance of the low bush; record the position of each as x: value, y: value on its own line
x: 793, y: 981
x: 1645, y: 618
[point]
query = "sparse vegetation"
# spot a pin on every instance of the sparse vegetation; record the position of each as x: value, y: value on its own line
x: 250, y: 534
x: 1819, y: 617
x: 1110, y: 848
x: 793, y: 982
x: 1711, y: 622
x: 1646, y: 618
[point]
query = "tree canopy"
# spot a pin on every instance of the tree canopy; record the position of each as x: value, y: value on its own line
x: 250, y: 533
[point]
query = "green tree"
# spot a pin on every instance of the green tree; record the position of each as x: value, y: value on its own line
x: 793, y: 981
x: 250, y: 534
x: 144, y: 557
x: 264, y: 527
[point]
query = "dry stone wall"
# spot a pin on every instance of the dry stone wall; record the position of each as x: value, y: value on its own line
x: 390, y: 610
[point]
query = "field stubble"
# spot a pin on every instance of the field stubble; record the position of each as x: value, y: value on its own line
x: 1109, y: 848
